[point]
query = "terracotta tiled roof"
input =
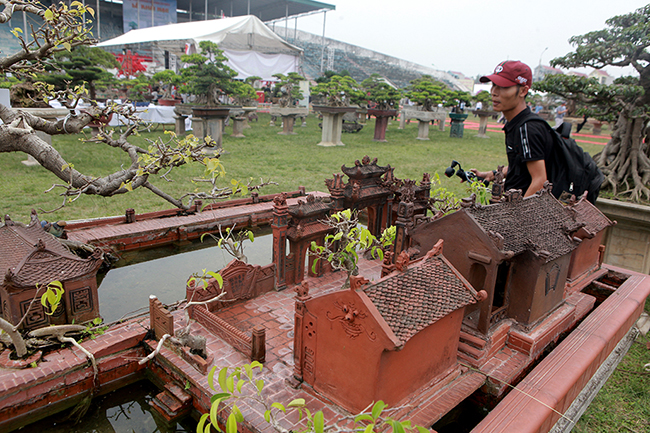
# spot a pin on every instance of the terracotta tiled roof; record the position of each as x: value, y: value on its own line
x: 537, y: 223
x: 594, y: 220
x: 34, y: 256
x: 425, y: 293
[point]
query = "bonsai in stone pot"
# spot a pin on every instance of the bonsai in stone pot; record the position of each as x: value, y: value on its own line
x: 339, y: 91
x: 289, y: 88
x: 379, y: 94
x: 427, y: 93
x: 208, y: 77
x: 383, y: 101
x: 167, y: 80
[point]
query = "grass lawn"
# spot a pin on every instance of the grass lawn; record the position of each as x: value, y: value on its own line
x: 292, y: 161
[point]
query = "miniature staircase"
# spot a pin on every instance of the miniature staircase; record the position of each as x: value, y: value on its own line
x: 172, y: 403
x: 471, y: 349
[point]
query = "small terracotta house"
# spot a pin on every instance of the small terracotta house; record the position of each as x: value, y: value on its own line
x: 517, y: 250
x: 30, y: 256
x: 589, y: 254
x: 384, y: 340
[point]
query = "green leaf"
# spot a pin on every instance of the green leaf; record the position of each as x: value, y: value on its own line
x: 260, y: 385
x: 239, y: 417
x: 240, y: 383
x: 219, y: 396
x: 377, y: 409
x: 278, y: 406
x: 202, y: 420
x: 319, y: 422
x: 214, y: 411
x: 369, y: 428
x: 363, y: 417
x: 223, y: 373
x: 251, y: 237
x: 267, y: 415
x: 230, y: 383
x: 211, y: 377
x: 397, y: 427
x: 299, y: 402
x: 422, y: 429
x: 231, y: 424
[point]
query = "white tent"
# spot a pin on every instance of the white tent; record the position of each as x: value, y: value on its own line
x: 251, y: 47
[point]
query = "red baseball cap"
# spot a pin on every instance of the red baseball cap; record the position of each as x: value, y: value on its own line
x: 510, y: 73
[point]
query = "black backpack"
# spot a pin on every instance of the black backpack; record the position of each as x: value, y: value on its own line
x: 573, y: 170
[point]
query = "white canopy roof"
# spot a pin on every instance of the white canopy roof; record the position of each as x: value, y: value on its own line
x: 244, y: 33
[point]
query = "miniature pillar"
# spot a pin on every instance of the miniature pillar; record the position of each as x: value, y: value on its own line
x: 279, y: 225
x: 160, y: 319
x: 258, y: 344
x: 298, y: 352
x: 403, y: 224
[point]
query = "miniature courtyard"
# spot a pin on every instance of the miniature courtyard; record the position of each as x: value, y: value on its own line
x: 442, y: 318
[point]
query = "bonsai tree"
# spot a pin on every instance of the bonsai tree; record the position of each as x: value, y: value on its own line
x: 289, y: 88
x: 207, y: 76
x: 426, y: 92
x: 167, y: 80
x: 624, y: 42
x: 381, y: 94
x: 339, y: 91
x: 62, y: 29
x: 243, y: 93
x: 341, y: 249
x: 484, y: 98
x: 82, y: 65
x: 139, y: 90
x: 456, y: 98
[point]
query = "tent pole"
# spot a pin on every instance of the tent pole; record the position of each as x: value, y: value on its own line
x: 249, y: 8
x: 295, y: 29
x: 153, y: 8
x: 286, y: 21
x: 322, y: 49
x: 190, y: 10
x: 206, y: 10
x: 99, y: 31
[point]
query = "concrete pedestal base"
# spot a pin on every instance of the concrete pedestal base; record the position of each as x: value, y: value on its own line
x: 332, y: 124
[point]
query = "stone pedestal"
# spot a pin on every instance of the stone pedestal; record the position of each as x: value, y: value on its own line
x: 180, y: 124
x: 381, y: 121
x: 247, y: 111
x: 424, y: 118
x: 208, y: 121
x: 483, y: 120
x: 288, y: 115
x: 238, y: 125
x: 423, y: 130
x: 457, y: 125
x: 332, y: 124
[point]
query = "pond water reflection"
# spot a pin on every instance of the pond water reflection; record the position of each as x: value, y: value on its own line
x: 163, y: 272
x: 124, y: 410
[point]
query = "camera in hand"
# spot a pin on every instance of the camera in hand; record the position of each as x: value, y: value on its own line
x: 467, y: 176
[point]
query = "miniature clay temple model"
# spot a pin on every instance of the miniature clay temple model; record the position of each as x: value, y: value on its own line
x: 518, y: 250
x: 384, y: 340
x: 373, y: 187
x: 34, y: 257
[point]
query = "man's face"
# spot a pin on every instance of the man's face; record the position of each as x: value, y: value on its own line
x: 504, y: 99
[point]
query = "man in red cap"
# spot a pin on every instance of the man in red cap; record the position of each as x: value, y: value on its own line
x: 528, y: 144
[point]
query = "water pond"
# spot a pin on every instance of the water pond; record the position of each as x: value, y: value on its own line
x: 164, y: 271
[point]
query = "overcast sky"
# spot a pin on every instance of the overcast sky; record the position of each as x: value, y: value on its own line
x: 470, y: 36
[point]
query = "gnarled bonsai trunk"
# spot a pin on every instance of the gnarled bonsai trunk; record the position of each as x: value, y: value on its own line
x: 624, y: 160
